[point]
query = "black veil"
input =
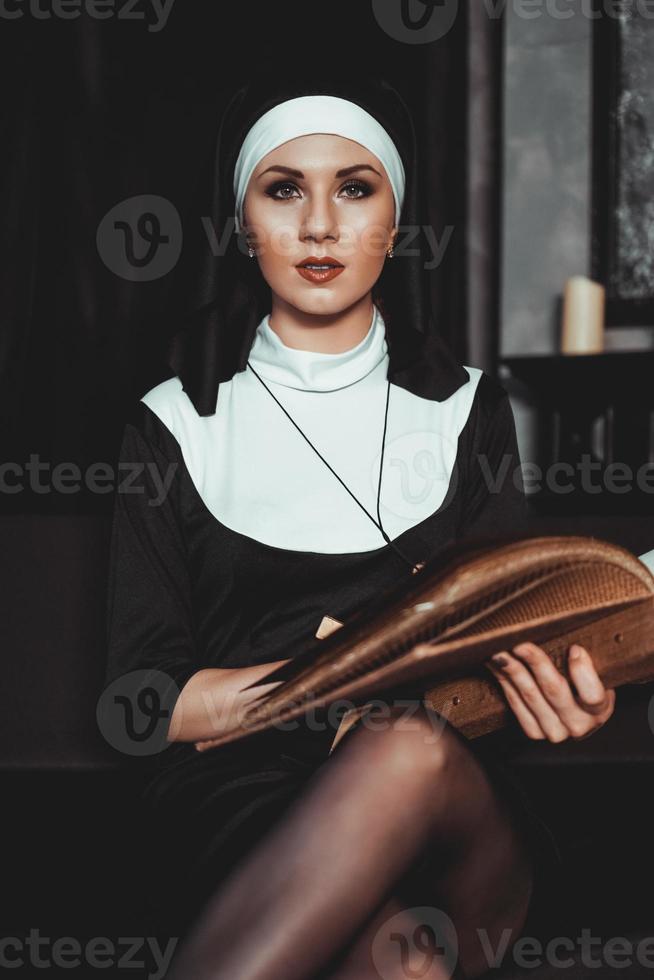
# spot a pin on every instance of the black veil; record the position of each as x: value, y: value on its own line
x: 229, y: 296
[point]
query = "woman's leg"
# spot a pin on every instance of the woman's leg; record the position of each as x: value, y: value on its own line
x: 398, y: 942
x: 402, y: 805
x: 413, y: 933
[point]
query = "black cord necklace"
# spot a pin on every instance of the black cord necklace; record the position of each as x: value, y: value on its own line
x: 378, y: 523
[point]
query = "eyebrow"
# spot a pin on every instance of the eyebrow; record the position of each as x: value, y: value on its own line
x: 339, y: 173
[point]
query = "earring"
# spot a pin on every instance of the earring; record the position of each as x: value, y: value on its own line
x: 251, y: 252
x: 390, y: 251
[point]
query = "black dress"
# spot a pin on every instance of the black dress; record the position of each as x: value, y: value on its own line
x: 187, y: 592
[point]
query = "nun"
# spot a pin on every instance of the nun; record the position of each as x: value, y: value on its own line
x: 318, y: 441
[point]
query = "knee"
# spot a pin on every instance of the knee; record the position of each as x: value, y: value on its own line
x: 410, y: 738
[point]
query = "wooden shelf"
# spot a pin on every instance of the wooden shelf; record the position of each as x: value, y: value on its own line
x: 572, y: 393
x: 611, y: 372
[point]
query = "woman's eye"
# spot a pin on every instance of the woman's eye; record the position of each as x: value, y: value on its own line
x: 361, y: 189
x: 284, y: 190
x: 272, y: 191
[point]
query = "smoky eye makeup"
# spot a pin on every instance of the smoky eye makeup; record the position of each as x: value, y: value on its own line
x: 283, y: 186
x: 362, y: 188
x: 354, y: 189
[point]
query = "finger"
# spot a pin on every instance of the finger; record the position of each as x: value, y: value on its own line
x: 529, y: 691
x: 591, y: 693
x: 598, y: 720
x: 526, y: 719
x: 557, y: 691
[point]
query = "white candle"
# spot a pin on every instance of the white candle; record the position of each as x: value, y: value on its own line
x: 582, y: 328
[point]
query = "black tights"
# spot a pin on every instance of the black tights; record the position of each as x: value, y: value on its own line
x: 401, y: 817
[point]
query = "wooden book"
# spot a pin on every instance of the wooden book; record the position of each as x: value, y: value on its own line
x: 430, y: 636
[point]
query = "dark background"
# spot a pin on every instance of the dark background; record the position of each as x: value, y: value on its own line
x: 101, y: 111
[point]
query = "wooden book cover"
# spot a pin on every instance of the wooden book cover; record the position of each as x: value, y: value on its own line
x: 430, y: 636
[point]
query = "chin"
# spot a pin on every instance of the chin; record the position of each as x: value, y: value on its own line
x: 325, y: 300
x: 322, y: 301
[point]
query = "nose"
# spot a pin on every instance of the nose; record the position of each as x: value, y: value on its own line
x: 319, y: 220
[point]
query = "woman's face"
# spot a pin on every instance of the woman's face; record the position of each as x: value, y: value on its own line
x: 326, y: 197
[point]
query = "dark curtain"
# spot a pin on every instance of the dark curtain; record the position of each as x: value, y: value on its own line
x: 483, y: 201
x: 100, y: 111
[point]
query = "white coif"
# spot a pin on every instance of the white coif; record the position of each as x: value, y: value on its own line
x: 316, y: 114
x: 259, y: 477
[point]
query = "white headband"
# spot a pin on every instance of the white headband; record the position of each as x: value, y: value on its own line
x: 316, y: 114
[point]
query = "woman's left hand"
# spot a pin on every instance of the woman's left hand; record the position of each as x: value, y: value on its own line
x: 542, y: 699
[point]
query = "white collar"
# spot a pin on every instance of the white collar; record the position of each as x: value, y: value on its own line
x: 313, y: 370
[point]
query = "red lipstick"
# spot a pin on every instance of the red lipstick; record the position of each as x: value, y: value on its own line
x: 319, y: 269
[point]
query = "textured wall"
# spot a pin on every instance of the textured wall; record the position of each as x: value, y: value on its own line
x: 546, y: 203
x: 633, y: 276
